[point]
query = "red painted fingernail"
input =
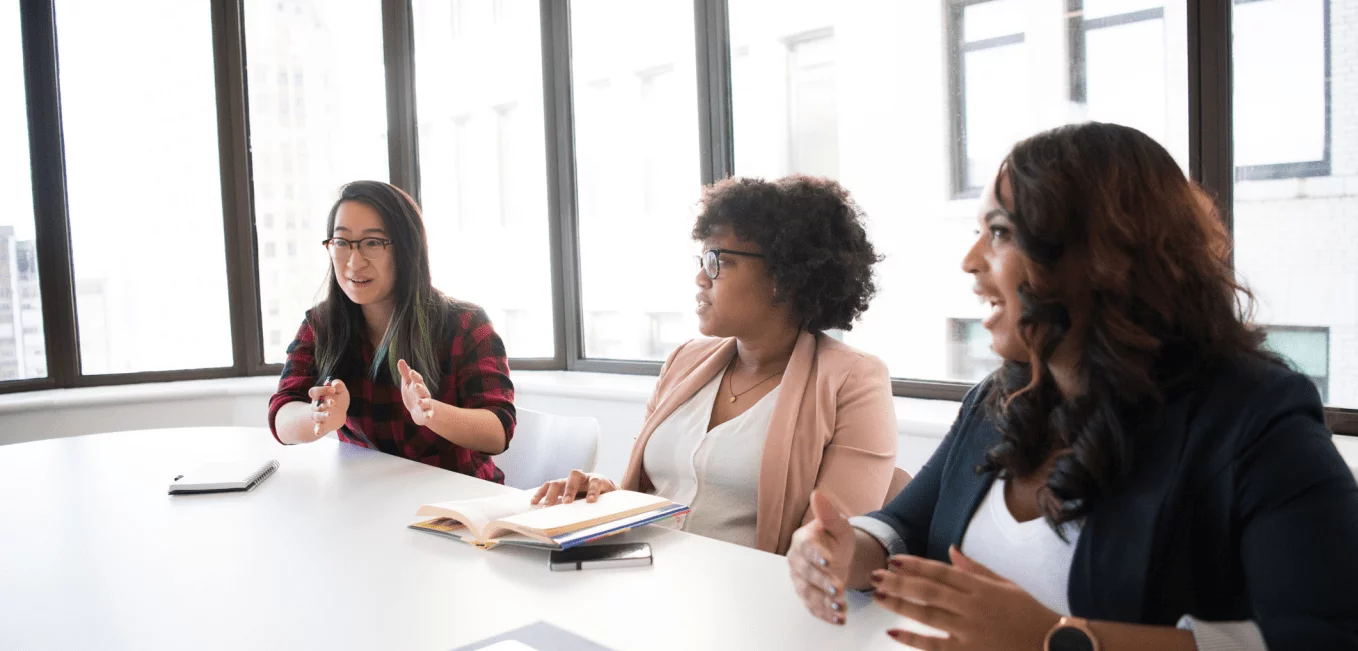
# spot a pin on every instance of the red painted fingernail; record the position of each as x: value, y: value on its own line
x: 895, y: 635
x: 875, y: 578
x: 839, y: 620
x: 896, y: 562
x: 879, y: 594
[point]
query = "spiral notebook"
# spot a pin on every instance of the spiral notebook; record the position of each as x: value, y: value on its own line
x: 223, y: 477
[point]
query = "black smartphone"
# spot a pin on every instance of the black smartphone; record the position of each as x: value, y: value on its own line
x: 589, y: 557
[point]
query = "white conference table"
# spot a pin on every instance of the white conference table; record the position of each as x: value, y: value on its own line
x: 95, y: 555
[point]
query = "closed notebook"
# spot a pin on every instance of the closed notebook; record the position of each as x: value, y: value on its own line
x: 513, y: 519
x: 223, y: 477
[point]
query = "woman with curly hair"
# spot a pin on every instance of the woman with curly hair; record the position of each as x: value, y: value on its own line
x: 746, y: 422
x: 1140, y: 473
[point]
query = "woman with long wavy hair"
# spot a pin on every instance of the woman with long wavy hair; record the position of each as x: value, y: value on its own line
x: 387, y: 360
x: 1140, y: 473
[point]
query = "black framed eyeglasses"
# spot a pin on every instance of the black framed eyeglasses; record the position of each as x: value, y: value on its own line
x: 710, y: 260
x: 371, y: 248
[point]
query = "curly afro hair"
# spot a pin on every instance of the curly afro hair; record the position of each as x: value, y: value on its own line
x: 812, y: 237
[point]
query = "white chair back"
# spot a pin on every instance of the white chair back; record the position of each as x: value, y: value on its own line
x: 547, y: 446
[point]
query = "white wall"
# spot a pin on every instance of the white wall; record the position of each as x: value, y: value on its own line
x: 41, y: 415
x: 617, y: 401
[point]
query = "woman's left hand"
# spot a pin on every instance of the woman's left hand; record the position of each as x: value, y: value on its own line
x: 977, y: 608
x: 415, y: 395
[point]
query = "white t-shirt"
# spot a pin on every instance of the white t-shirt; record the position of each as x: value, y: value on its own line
x: 1027, y: 553
x: 1031, y: 555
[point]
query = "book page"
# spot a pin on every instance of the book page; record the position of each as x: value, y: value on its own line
x: 477, y: 513
x: 554, y: 520
x: 451, y: 528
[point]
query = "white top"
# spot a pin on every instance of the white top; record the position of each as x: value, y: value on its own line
x: 715, y: 472
x: 1036, y: 559
x: 319, y: 556
x: 1027, y: 553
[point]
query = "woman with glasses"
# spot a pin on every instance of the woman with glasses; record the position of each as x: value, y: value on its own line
x: 746, y: 422
x: 387, y: 360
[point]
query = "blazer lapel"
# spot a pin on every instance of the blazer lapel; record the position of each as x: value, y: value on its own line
x: 684, y: 387
x: 773, y: 466
x: 961, y: 495
x: 1116, y: 539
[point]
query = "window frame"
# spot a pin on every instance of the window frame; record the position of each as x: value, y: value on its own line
x: 1302, y: 169
x: 1078, y: 31
x: 958, y: 48
x: 1322, y: 385
x: 1209, y: 92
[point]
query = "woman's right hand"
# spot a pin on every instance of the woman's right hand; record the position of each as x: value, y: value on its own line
x: 820, y: 558
x: 329, y: 407
x: 566, y: 490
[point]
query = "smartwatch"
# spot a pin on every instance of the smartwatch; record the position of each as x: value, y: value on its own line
x: 1071, y: 634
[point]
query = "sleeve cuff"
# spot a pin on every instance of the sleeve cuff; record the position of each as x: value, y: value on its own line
x: 882, y: 532
x: 1224, y: 636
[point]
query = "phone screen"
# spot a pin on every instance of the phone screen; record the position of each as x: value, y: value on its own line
x: 613, y: 555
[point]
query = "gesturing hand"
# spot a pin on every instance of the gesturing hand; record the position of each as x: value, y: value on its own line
x: 819, y: 559
x: 415, y: 395
x: 329, y: 407
x: 978, y: 609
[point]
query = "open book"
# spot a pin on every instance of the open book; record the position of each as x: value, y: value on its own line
x: 511, y: 519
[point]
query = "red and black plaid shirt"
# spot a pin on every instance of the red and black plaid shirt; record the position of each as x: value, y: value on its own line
x: 475, y: 375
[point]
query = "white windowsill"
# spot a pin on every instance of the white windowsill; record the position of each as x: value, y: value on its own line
x: 914, y: 417
x: 136, y: 393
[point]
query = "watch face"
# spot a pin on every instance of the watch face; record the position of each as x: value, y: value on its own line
x: 1070, y: 639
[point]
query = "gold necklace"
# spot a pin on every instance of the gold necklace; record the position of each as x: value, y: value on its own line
x: 731, y: 385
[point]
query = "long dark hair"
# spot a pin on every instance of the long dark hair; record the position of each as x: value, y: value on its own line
x: 420, y: 310
x: 1111, y: 229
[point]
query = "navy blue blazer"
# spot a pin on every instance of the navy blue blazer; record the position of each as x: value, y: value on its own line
x: 1239, y: 508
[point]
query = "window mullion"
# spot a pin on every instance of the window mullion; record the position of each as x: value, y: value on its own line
x: 47, y: 157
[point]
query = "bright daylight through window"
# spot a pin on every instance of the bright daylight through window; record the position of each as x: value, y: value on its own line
x: 318, y: 119
x: 23, y: 352
x: 145, y: 198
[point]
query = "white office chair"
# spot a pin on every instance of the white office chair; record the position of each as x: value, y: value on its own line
x: 547, y: 446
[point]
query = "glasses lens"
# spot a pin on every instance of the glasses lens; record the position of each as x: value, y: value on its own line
x: 371, y: 249
x: 710, y: 264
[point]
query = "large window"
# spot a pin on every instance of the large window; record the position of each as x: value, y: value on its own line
x: 969, y: 353
x: 143, y: 184
x: 1307, y: 350
x: 1296, y: 194
x: 22, y: 349
x: 1146, y: 91
x: 1282, y: 80
x: 318, y: 119
x: 992, y: 67
x: 867, y: 94
x: 178, y: 137
x: 636, y: 143
x: 483, y: 162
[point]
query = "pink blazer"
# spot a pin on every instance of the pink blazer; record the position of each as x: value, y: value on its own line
x: 833, y: 428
